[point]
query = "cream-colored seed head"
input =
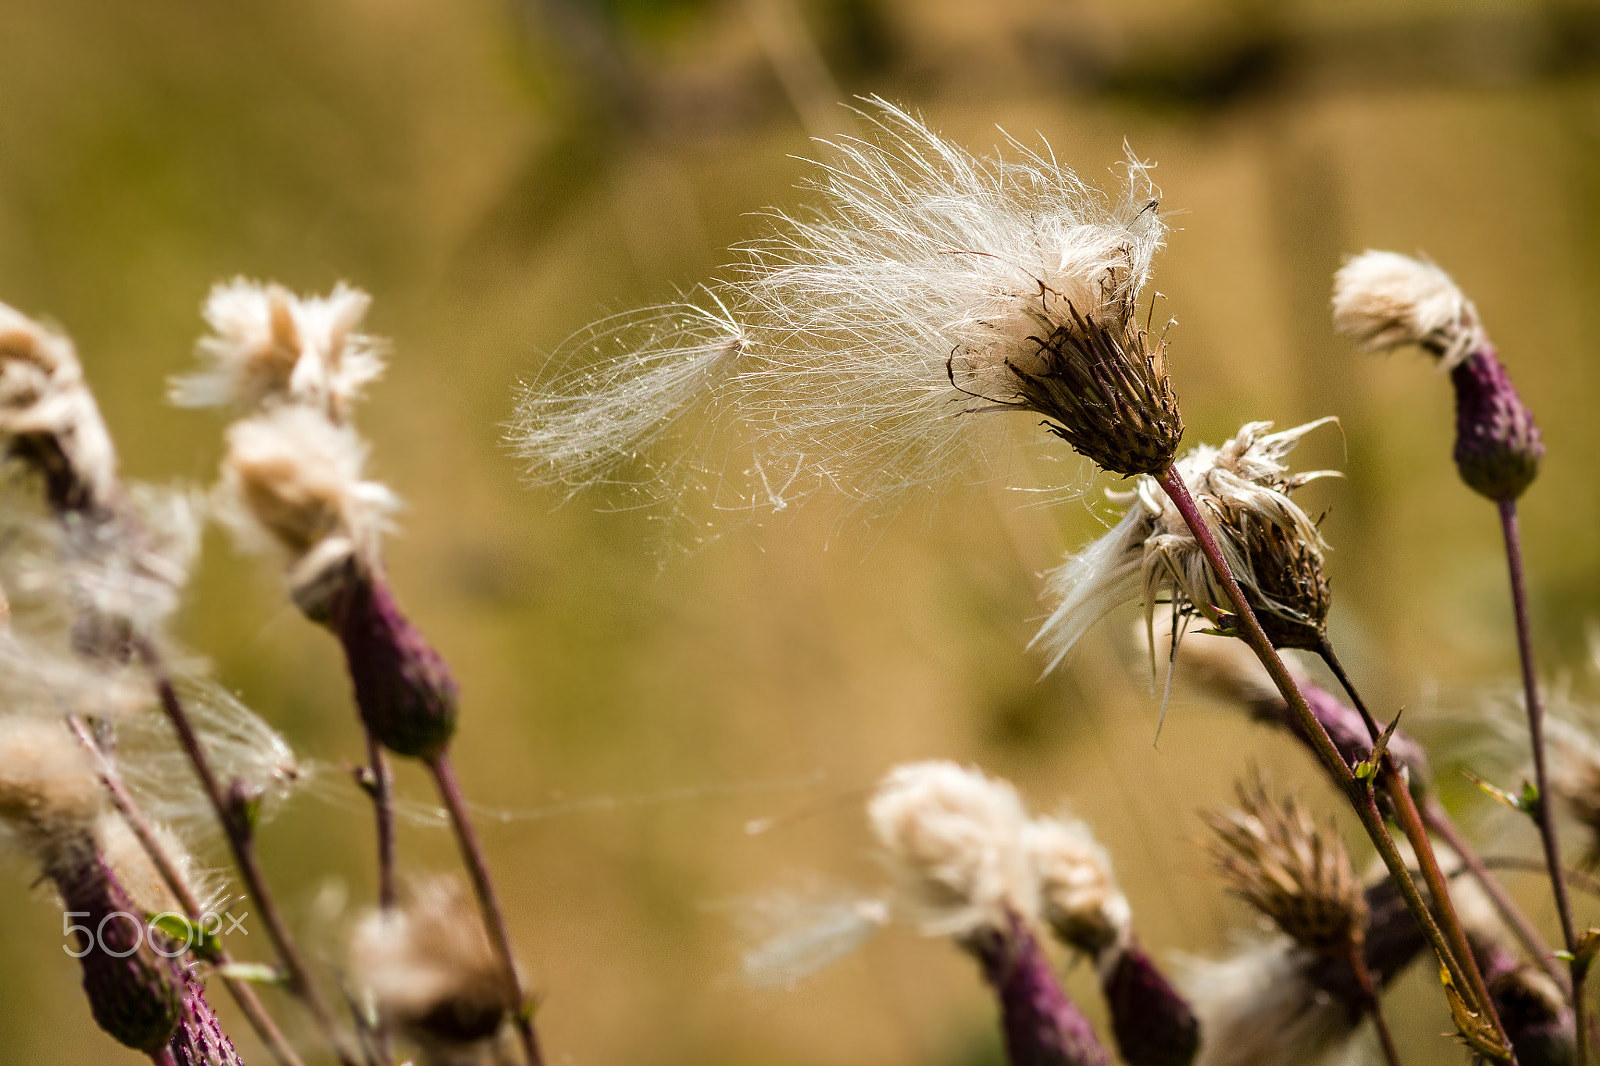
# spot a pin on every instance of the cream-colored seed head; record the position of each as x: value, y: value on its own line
x: 43, y: 393
x: 1385, y: 300
x: 292, y: 479
x: 268, y: 345
x: 1079, y: 897
x: 50, y: 795
x: 430, y: 968
x: 955, y: 839
x: 1260, y: 1007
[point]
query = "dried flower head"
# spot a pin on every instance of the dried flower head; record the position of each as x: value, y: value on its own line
x: 1271, y: 544
x: 856, y: 344
x: 1385, y: 300
x: 954, y: 838
x: 293, y: 480
x: 1260, y: 1006
x: 1274, y: 857
x: 50, y: 796
x: 430, y: 969
x: 1079, y: 897
x: 49, y: 415
x: 268, y: 345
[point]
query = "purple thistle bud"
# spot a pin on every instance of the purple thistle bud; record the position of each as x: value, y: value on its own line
x: 133, y: 992
x: 1151, y: 1021
x: 403, y: 687
x: 1042, y: 1027
x: 200, y: 1040
x: 1530, y: 1005
x: 1498, y: 447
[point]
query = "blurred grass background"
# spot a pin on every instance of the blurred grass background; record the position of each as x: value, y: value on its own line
x: 499, y: 173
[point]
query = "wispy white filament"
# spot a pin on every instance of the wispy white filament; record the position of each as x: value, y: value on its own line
x: 855, y: 344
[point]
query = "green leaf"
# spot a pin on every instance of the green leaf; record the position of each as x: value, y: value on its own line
x: 1527, y: 802
x: 183, y: 931
x: 257, y: 973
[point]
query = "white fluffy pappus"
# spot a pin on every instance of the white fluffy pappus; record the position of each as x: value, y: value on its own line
x: 293, y: 481
x: 50, y: 795
x: 954, y: 838
x: 1384, y: 300
x: 1150, y: 555
x: 854, y: 346
x: 1259, y: 1007
x: 267, y: 345
x: 1079, y: 896
x: 429, y: 968
x: 44, y: 398
x: 793, y: 933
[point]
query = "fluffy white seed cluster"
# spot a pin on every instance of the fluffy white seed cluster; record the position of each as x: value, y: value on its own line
x: 430, y: 969
x: 969, y: 857
x: 1384, y: 300
x: 855, y: 345
x: 292, y: 480
x: 49, y: 794
x: 1151, y: 554
x: 45, y: 402
x: 1260, y: 1007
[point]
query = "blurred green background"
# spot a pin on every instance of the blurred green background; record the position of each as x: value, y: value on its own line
x: 498, y: 174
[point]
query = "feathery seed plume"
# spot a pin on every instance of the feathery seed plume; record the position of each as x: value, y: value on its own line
x: 1275, y: 858
x: 1385, y: 300
x: 431, y: 971
x: 50, y: 417
x: 954, y: 838
x: 856, y: 345
x: 1271, y: 544
x: 269, y: 345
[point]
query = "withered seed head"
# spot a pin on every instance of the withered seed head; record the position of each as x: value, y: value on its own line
x: 1290, y: 594
x: 1274, y: 857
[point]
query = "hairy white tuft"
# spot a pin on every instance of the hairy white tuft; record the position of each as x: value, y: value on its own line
x: 138, y: 875
x: 1259, y: 1007
x: 855, y: 345
x: 793, y: 934
x: 293, y: 480
x: 50, y: 794
x: 954, y: 838
x: 1078, y: 892
x: 430, y: 968
x: 1151, y: 553
x: 43, y: 397
x: 1384, y: 300
x: 269, y: 345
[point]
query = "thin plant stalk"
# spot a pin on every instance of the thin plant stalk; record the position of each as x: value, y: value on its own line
x: 243, y: 994
x: 1439, y: 822
x: 1369, y: 989
x: 1543, y: 812
x: 1582, y: 881
x: 241, y: 841
x: 1359, y: 794
x: 494, y: 918
x: 1410, y: 822
x: 378, y: 781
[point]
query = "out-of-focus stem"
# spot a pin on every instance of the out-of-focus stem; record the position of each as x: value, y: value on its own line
x: 1358, y: 793
x: 1410, y: 821
x: 1543, y: 813
x: 1369, y: 989
x: 380, y: 786
x: 241, y: 841
x: 1438, y: 821
x: 250, y: 1004
x: 494, y: 918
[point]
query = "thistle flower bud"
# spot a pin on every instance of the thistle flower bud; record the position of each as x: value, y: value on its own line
x: 954, y: 838
x: 1153, y: 1023
x: 1530, y: 1005
x: 268, y: 345
x: 1271, y: 544
x: 1041, y: 1025
x: 430, y: 969
x: 1274, y: 857
x: 200, y: 1040
x: 50, y: 417
x: 1384, y: 301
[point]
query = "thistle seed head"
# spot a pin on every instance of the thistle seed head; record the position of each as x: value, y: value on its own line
x: 1274, y: 857
x: 50, y: 796
x: 292, y: 481
x: 954, y: 839
x: 1385, y: 300
x: 1079, y: 897
x: 1260, y: 1007
x: 49, y: 416
x: 268, y: 346
x: 430, y: 968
